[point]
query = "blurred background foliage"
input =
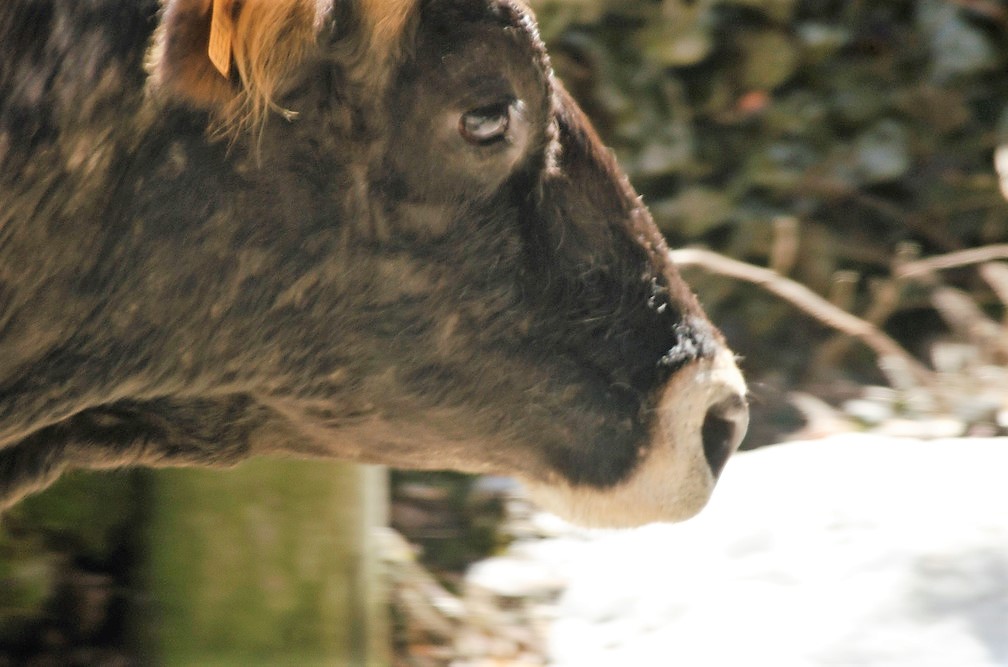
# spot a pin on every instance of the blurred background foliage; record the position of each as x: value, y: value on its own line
x: 69, y: 562
x: 823, y: 138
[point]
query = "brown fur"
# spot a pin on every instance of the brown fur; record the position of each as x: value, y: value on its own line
x: 178, y: 62
x: 386, y: 21
x: 271, y: 38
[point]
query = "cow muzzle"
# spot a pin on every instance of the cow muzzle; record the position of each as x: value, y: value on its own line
x: 700, y: 418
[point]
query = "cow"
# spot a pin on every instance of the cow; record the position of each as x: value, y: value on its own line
x: 371, y: 230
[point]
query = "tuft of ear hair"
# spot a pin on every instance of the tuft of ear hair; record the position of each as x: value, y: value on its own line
x: 386, y: 21
x: 269, y: 39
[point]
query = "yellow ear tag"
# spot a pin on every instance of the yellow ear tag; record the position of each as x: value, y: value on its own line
x: 219, y: 48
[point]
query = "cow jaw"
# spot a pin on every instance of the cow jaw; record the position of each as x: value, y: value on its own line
x: 700, y: 420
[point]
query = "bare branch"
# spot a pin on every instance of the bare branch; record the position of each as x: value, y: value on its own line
x: 962, y: 315
x: 922, y: 267
x: 892, y: 356
x: 996, y: 275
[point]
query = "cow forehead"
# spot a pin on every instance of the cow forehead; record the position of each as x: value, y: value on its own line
x: 388, y: 21
x: 510, y: 14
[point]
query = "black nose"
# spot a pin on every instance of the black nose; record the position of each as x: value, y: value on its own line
x: 723, y: 429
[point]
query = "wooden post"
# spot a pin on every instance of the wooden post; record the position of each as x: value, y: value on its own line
x: 271, y: 563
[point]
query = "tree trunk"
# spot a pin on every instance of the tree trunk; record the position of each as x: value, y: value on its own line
x: 270, y: 563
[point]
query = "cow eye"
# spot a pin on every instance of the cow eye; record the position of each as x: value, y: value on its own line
x: 487, y: 125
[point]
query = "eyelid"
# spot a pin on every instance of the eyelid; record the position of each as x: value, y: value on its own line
x: 484, y: 89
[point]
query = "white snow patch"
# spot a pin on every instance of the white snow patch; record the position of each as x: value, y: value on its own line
x: 852, y: 550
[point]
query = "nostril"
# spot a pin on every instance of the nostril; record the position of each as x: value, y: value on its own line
x: 723, y: 429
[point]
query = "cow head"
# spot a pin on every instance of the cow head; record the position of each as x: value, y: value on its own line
x: 404, y: 243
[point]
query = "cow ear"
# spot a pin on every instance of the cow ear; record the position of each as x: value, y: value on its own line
x: 232, y: 56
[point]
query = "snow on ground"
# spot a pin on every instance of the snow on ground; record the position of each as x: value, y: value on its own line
x: 853, y: 550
